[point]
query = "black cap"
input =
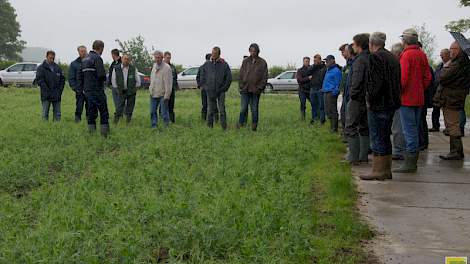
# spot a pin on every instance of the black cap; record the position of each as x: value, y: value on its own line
x: 329, y: 57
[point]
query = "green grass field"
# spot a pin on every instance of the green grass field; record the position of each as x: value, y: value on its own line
x: 279, y: 195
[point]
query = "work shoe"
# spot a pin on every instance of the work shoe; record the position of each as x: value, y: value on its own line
x: 91, y: 129
x: 410, y: 165
x: 434, y: 129
x: 78, y: 119
x: 364, y: 149
x: 380, y: 171
x: 104, y: 131
x: 446, y: 132
x: 254, y: 126
x: 223, y: 125
x: 456, y: 150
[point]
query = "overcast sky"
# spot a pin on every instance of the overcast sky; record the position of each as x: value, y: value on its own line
x: 285, y: 30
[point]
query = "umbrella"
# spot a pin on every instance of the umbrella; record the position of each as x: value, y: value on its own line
x: 462, y: 41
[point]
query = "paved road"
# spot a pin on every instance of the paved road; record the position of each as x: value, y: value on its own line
x: 422, y: 217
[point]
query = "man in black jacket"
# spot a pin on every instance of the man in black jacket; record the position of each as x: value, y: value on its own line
x: 171, y: 103
x: 357, y: 131
x: 215, y: 79
x: 77, y: 87
x: 383, y: 99
x: 316, y: 74
x: 304, y: 87
x: 93, y: 76
x: 51, y: 80
x: 203, y: 93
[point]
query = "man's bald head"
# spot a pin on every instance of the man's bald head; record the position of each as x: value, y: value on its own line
x: 455, y: 50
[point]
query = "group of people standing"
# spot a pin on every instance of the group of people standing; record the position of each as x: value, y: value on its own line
x: 386, y: 95
x: 87, y: 77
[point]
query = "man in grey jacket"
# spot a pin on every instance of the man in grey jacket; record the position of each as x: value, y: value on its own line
x: 215, y: 79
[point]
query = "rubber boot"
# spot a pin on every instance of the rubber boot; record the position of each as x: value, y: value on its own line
x: 91, y: 129
x: 334, y: 125
x: 456, y: 150
x: 104, y: 131
x: 388, y: 167
x: 354, y: 148
x: 364, y: 150
x: 410, y: 165
x: 379, y: 169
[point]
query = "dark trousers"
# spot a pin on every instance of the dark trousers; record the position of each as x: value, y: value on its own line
x: 216, y: 104
x: 316, y: 98
x: 171, y: 106
x: 97, y: 104
x: 252, y: 100
x: 436, y: 115
x: 356, y: 119
x: 380, y: 130
x: 304, y: 97
x: 343, y: 112
x: 46, y: 105
x: 423, y: 131
x: 331, y: 105
x: 80, y: 104
x: 204, y: 104
x: 124, y: 105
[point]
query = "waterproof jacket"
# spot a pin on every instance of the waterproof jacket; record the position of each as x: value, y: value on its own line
x: 161, y: 84
x: 332, y: 80
x: 346, y: 80
x: 303, y: 80
x: 454, y: 84
x: 415, y: 76
x: 359, y: 77
x: 72, y: 76
x: 253, y: 75
x: 383, y: 91
x: 110, y: 70
x: 51, y: 80
x: 215, y: 77
x: 92, y: 73
x: 317, y: 71
x: 175, y: 77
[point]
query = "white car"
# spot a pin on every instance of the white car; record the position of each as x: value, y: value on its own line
x: 23, y: 73
x: 285, y: 81
x: 187, y: 78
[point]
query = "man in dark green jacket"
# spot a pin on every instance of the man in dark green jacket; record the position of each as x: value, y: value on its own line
x: 125, y: 81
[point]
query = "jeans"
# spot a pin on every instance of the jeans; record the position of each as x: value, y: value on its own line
x: 331, y: 105
x: 356, y: 119
x: 410, y: 118
x: 380, y: 129
x: 436, y: 115
x: 124, y: 105
x: 304, y: 97
x: 97, y: 103
x: 398, y: 138
x: 80, y: 101
x: 423, y: 131
x: 252, y: 100
x: 46, y: 105
x: 154, y: 103
x: 216, y: 104
x: 318, y: 104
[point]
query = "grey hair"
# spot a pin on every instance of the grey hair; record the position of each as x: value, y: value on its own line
x: 127, y: 55
x: 81, y: 46
x: 410, y: 39
x: 157, y: 52
x: 397, y: 49
x: 378, y: 39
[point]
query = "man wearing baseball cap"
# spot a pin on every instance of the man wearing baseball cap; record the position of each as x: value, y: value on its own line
x: 330, y: 88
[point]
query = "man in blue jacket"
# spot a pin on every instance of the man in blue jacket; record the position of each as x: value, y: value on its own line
x: 93, y: 76
x: 51, y: 80
x: 330, y: 88
x: 77, y: 87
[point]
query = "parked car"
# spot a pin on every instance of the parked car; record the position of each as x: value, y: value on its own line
x: 23, y: 73
x: 285, y: 81
x: 187, y: 78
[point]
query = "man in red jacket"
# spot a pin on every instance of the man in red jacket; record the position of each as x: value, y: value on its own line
x: 415, y: 78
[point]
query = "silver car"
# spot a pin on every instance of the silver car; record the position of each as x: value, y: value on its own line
x: 285, y: 81
x: 23, y: 73
x: 187, y: 78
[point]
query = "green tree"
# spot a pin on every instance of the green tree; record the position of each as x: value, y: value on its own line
x: 428, y: 40
x: 461, y: 25
x: 141, y: 55
x: 10, y: 44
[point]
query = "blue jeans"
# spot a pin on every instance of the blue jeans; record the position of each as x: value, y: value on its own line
x: 380, y: 129
x: 80, y: 102
x: 318, y: 105
x: 154, y: 103
x: 252, y: 100
x: 410, y: 118
x: 304, y: 97
x: 46, y: 105
x: 397, y: 135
